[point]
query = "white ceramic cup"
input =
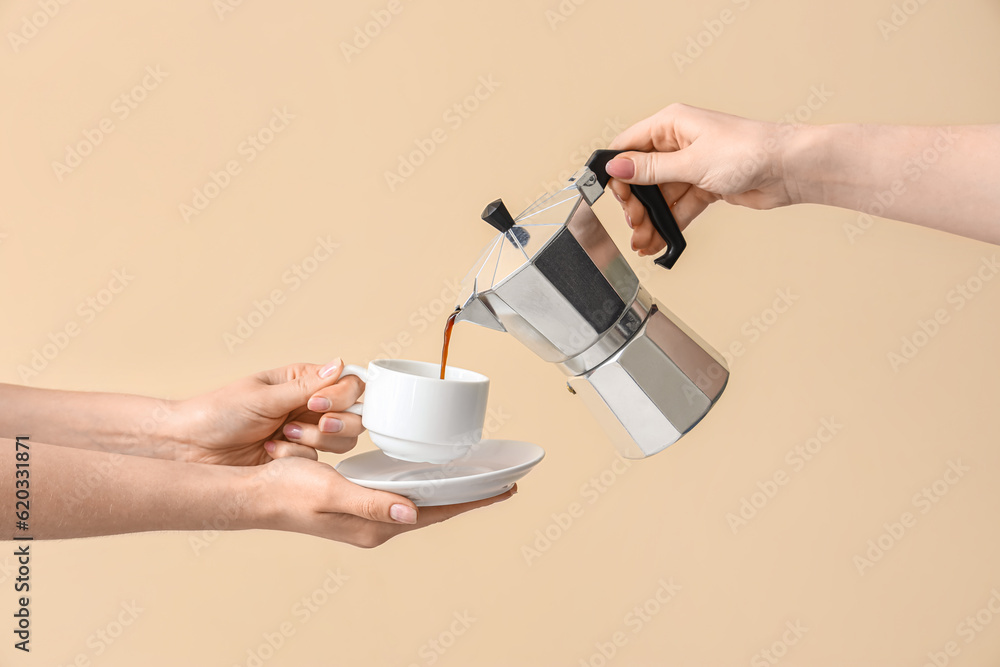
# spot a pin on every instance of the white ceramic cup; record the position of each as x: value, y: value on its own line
x: 413, y: 415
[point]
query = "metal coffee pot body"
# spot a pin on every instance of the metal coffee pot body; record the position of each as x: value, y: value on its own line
x: 556, y: 281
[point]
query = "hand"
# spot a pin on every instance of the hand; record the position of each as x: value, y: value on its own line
x: 131, y: 494
x: 302, y: 404
x: 304, y: 496
x: 698, y: 157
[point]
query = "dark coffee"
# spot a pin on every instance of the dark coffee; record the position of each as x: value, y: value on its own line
x: 449, y: 325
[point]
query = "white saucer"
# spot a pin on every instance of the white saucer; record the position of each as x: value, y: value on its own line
x: 487, y: 470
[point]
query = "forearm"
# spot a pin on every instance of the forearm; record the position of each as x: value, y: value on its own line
x: 106, y: 422
x: 940, y: 177
x: 81, y: 493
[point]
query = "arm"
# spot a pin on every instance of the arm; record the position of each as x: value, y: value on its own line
x: 82, y: 493
x: 946, y: 178
x: 90, y: 420
x: 293, y: 410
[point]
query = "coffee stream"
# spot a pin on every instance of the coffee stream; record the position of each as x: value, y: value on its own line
x: 449, y: 325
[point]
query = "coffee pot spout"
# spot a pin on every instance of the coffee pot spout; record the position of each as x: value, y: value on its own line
x: 477, y: 312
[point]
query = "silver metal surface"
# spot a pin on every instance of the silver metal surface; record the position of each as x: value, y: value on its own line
x: 573, y: 300
x: 586, y: 182
x: 561, y: 304
x: 612, y: 339
x: 649, y: 400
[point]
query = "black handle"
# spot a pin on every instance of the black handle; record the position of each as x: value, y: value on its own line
x: 656, y: 207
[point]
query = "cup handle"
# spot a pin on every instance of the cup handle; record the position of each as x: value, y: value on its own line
x: 351, y: 369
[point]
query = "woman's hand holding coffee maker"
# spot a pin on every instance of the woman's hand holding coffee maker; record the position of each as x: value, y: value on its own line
x: 698, y: 157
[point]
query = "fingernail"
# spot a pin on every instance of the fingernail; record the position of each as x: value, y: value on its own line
x: 269, y: 446
x: 319, y: 404
x: 328, y: 370
x: 621, y: 167
x: 620, y: 200
x: 628, y: 220
x: 331, y: 425
x: 403, y: 513
x: 292, y: 431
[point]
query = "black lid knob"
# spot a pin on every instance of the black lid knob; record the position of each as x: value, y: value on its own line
x: 497, y: 215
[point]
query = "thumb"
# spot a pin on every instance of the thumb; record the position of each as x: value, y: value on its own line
x: 290, y: 387
x: 653, y: 168
x: 378, y: 505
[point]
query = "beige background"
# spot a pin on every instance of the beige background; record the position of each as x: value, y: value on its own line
x: 607, y: 65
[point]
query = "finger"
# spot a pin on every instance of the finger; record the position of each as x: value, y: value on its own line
x: 337, y: 397
x: 372, y: 504
x: 655, y: 168
x: 291, y: 386
x: 334, y: 433
x: 671, y: 191
x: 279, y: 449
x: 690, y: 205
x: 431, y: 515
x: 620, y: 189
x: 633, y: 210
x: 643, y: 236
x: 657, y: 132
x: 372, y: 534
x: 655, y: 245
x: 341, y: 425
